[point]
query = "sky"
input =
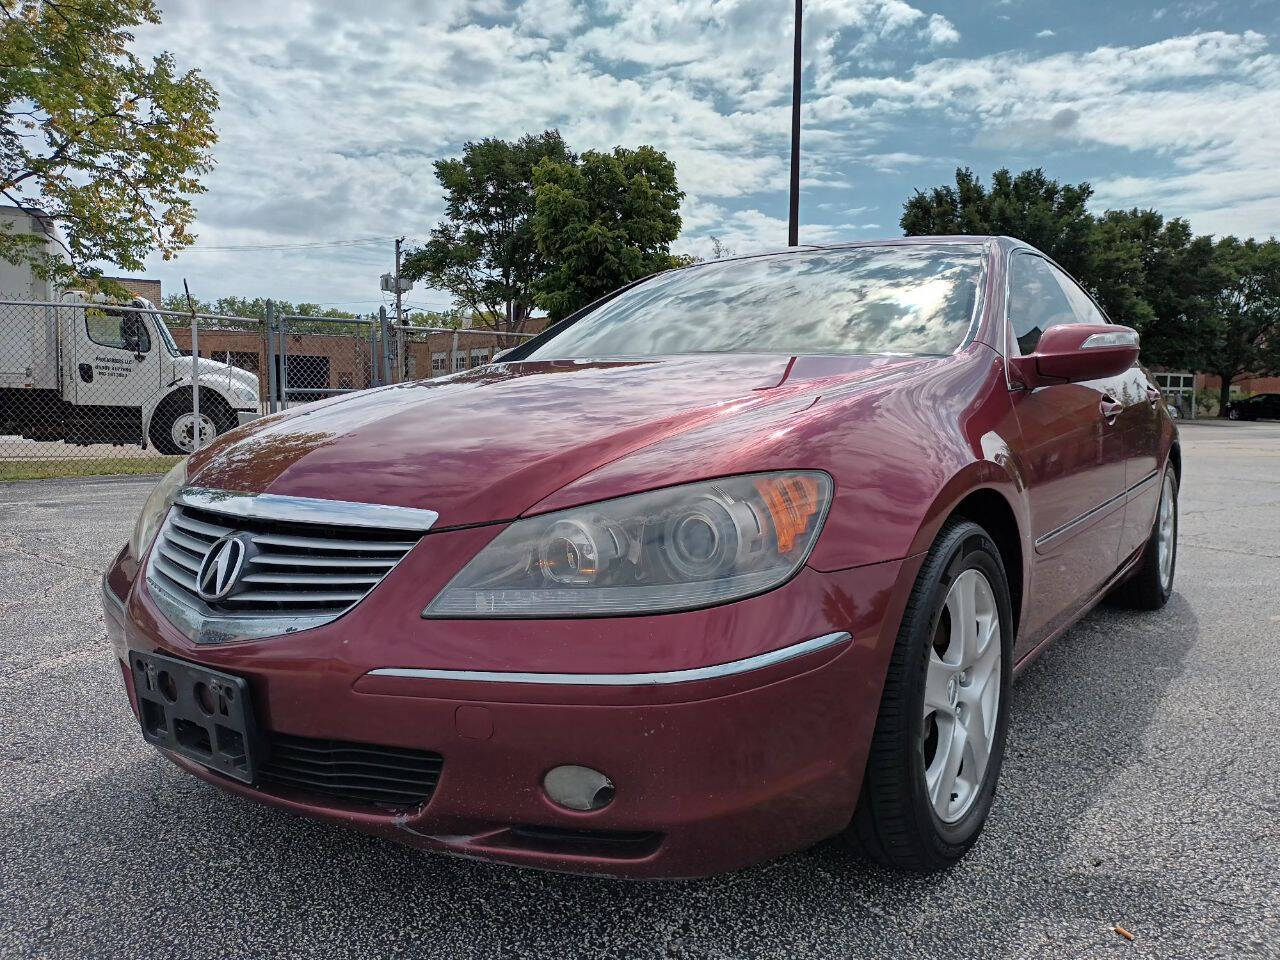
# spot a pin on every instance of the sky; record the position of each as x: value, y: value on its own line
x: 333, y: 111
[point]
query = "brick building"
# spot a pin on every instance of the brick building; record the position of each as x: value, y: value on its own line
x: 140, y: 287
x: 343, y: 361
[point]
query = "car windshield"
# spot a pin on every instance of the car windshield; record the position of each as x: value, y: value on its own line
x: 906, y: 299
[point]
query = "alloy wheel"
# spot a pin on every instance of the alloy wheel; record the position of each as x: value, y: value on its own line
x: 962, y: 696
x: 1166, y: 532
x: 183, y: 431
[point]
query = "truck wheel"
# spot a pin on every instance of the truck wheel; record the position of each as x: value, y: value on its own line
x: 173, y: 426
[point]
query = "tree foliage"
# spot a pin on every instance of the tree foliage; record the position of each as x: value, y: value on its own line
x: 484, y: 252
x: 1050, y: 216
x: 1242, y: 333
x: 602, y: 221
x: 112, y: 147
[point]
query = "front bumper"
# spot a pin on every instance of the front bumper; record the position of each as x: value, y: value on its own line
x: 711, y: 773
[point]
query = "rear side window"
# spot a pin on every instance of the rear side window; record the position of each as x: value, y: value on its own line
x: 1036, y: 300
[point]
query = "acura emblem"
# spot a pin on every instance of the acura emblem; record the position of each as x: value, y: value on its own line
x: 220, y: 569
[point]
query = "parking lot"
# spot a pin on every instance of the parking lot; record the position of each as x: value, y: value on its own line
x: 1141, y: 788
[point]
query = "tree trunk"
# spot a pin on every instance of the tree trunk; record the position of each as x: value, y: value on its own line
x: 1224, y: 392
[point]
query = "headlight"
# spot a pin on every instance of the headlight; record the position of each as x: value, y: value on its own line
x: 153, y: 511
x: 674, y: 549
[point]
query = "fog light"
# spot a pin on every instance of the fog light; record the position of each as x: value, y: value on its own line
x: 578, y: 788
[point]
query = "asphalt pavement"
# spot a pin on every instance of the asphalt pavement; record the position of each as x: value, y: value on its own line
x: 1141, y: 788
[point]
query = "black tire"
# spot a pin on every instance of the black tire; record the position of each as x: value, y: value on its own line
x: 1146, y: 589
x: 1233, y: 414
x: 895, y: 823
x: 178, y: 403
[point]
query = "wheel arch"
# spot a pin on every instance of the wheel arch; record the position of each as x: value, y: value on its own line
x: 985, y: 494
x: 1175, y: 458
x: 207, y: 394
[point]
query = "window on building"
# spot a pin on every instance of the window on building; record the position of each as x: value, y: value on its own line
x: 438, y: 364
x: 245, y: 361
x: 459, y: 361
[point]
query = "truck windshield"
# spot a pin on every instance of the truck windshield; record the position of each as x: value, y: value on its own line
x: 163, y: 329
x: 910, y: 298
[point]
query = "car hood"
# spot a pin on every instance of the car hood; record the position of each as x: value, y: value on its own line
x: 490, y: 443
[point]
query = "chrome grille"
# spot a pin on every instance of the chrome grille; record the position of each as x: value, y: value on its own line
x: 296, y: 573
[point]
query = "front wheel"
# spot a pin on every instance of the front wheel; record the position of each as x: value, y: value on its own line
x: 1233, y: 414
x: 939, y: 738
x: 174, y: 427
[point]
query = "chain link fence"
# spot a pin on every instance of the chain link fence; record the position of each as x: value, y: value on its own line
x: 96, y: 388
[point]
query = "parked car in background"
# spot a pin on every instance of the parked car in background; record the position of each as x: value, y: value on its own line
x: 741, y: 557
x: 1261, y: 406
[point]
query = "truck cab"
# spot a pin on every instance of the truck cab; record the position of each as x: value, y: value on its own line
x: 82, y: 370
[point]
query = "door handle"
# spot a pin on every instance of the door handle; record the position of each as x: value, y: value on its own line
x: 1111, y: 408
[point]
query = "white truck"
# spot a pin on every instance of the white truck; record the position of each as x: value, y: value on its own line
x: 84, y: 372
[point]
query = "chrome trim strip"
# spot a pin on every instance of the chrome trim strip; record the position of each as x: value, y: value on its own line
x: 339, y: 513
x: 1093, y: 511
x: 1144, y: 481
x: 1088, y: 514
x: 110, y: 594
x: 624, y: 679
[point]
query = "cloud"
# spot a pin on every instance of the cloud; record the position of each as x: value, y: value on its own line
x: 1193, y: 101
x: 1046, y: 33
x: 939, y: 31
x: 330, y: 122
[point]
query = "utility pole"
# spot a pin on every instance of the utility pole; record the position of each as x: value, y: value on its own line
x: 793, y: 225
x: 399, y: 241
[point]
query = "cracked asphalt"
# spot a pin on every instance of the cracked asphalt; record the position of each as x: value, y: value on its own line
x: 1141, y: 788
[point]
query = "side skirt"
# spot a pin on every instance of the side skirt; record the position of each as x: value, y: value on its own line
x: 1121, y: 573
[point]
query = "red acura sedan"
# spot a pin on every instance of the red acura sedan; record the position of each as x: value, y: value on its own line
x: 741, y: 557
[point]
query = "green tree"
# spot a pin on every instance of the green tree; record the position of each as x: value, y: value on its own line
x: 484, y: 252
x: 255, y: 308
x: 1148, y: 272
x: 603, y: 221
x: 1050, y: 216
x: 1243, y: 336
x: 1155, y: 276
x: 110, y: 146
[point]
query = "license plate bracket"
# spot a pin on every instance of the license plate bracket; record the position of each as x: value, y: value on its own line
x: 200, y: 714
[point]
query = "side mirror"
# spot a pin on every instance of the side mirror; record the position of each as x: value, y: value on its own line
x: 1073, y: 352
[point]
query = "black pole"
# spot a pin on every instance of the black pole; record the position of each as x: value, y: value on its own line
x: 793, y: 226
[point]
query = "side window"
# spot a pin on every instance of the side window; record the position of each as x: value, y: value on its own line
x: 1082, y: 304
x: 1036, y: 300
x: 124, y: 330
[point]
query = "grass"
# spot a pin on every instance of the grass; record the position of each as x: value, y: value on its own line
x: 46, y: 469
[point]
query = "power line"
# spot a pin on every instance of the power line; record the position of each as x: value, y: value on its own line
x: 291, y: 246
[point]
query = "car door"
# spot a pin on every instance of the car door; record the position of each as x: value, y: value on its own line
x: 117, y: 362
x: 1072, y: 459
x: 1138, y: 420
